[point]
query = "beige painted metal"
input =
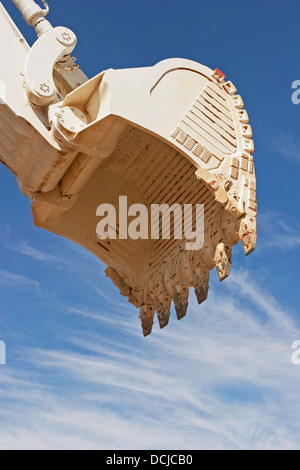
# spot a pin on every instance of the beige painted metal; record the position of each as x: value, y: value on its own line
x: 173, y: 133
x: 34, y: 15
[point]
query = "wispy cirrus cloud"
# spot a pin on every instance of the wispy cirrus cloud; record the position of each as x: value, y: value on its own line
x: 286, y: 144
x: 59, y: 255
x: 18, y: 281
x: 220, y: 379
x: 23, y: 248
x: 277, y: 231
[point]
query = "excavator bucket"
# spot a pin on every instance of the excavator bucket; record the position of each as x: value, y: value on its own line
x: 102, y: 159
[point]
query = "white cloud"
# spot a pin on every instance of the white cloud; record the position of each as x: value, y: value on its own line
x: 220, y: 378
x: 286, y: 144
x: 23, y: 248
x: 18, y: 281
x: 277, y: 232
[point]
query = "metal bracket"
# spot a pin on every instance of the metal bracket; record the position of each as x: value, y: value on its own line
x: 44, y: 54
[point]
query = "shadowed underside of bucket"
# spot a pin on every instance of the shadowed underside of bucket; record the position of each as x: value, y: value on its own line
x: 151, y: 273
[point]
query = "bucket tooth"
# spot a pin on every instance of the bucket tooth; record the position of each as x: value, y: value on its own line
x: 249, y: 242
x: 201, y: 293
x: 200, y: 282
x: 181, y: 309
x: 163, y: 307
x: 147, y: 317
x: 163, y: 317
x: 223, y: 269
x: 223, y: 260
x: 248, y: 234
x: 180, y: 297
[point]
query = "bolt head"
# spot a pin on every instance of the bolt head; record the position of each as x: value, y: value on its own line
x: 66, y: 37
x: 44, y: 88
x: 214, y: 185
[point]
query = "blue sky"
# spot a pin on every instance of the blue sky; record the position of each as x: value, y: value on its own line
x: 79, y: 374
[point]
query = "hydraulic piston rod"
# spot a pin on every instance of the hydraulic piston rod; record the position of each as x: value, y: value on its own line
x: 34, y: 15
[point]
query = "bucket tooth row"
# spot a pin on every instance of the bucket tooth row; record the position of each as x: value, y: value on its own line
x: 173, y: 283
x: 173, y: 279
